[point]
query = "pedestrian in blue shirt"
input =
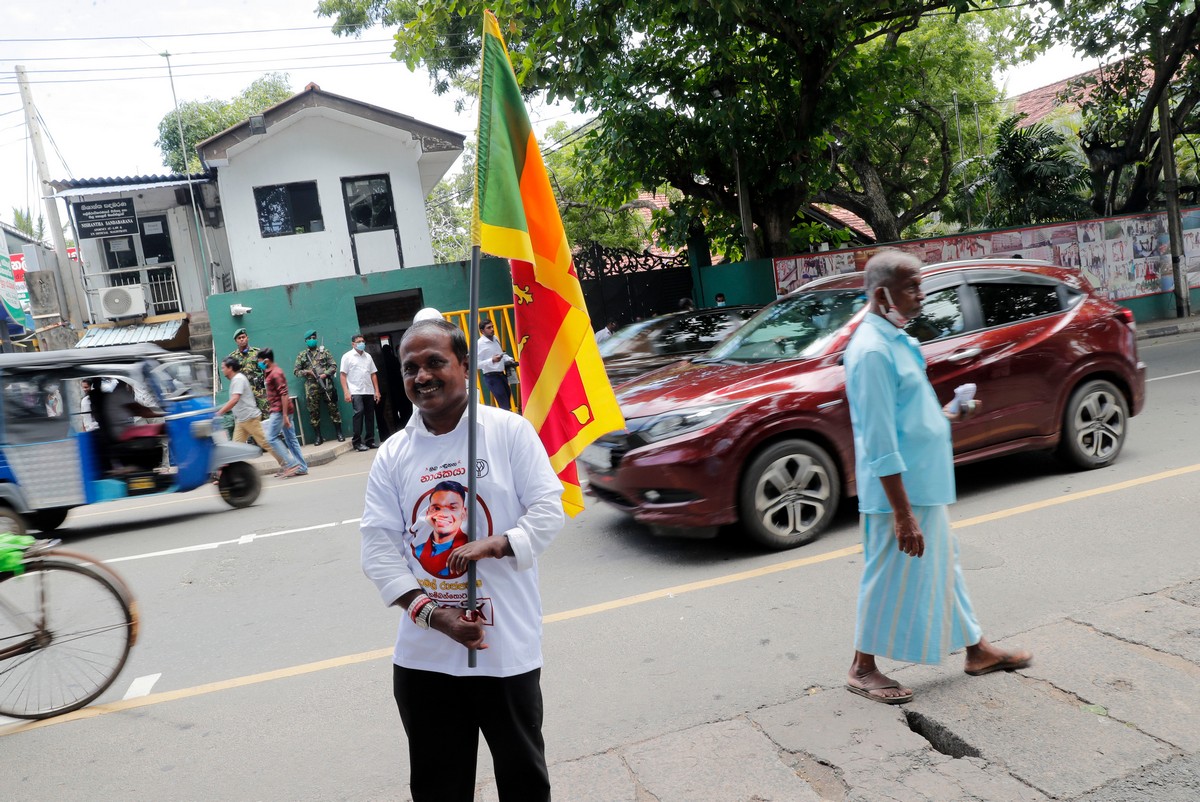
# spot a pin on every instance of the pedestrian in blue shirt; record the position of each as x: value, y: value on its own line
x: 912, y: 603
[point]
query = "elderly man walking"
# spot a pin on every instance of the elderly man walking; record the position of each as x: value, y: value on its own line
x: 912, y: 603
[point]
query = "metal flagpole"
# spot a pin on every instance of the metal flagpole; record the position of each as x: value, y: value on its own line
x: 472, y: 444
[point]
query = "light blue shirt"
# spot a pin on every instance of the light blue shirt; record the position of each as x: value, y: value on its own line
x: 899, y: 426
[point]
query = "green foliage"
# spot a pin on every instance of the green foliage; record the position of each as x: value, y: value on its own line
x: 931, y: 101
x: 448, y: 210
x: 23, y: 221
x: 676, y: 86
x: 208, y: 117
x: 1031, y: 177
x: 1149, y: 48
x: 589, y: 215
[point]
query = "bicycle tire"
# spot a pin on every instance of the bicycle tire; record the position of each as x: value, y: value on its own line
x: 100, y: 567
x: 53, y: 677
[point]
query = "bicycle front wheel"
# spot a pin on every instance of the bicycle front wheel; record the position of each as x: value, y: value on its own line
x: 65, y: 633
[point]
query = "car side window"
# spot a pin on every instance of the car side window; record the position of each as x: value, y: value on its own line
x: 689, y: 333
x: 941, y: 316
x: 1003, y: 304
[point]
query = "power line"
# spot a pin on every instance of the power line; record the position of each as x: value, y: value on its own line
x: 329, y: 28
x: 204, y: 64
x: 207, y: 74
x: 339, y: 43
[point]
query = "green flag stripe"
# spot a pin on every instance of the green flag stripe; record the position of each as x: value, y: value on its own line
x: 503, y: 137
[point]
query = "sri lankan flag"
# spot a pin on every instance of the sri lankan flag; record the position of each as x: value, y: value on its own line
x: 564, y: 390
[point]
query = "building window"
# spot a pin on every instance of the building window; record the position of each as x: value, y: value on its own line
x: 156, y: 240
x: 369, y: 204
x: 288, y: 209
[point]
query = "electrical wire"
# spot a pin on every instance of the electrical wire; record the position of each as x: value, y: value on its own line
x: 331, y: 28
x: 50, y: 136
x: 204, y: 64
x: 338, y: 43
x: 208, y: 74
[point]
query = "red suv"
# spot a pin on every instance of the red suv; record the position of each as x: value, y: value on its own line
x: 757, y: 431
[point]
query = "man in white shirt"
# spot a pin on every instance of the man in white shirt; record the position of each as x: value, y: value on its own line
x: 413, y: 494
x: 606, y: 332
x: 493, y: 364
x: 360, y: 385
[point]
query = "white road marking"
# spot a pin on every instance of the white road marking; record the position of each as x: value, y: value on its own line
x: 1173, y: 376
x: 351, y: 521
x: 238, y: 541
x: 142, y: 686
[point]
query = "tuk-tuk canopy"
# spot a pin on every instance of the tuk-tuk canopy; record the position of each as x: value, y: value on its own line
x: 85, y: 360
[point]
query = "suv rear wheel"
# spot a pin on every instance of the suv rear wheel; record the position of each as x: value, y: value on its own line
x: 789, y: 494
x: 1094, y: 425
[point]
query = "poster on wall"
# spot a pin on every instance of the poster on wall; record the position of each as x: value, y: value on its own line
x: 10, y: 295
x: 1122, y: 257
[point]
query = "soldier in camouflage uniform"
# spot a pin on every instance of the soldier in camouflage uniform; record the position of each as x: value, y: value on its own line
x: 317, y: 367
x: 247, y: 357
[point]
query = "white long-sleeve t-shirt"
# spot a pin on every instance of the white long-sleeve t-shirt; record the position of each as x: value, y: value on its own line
x: 519, y: 496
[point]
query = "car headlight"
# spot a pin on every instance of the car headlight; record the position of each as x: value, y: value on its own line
x: 675, y: 423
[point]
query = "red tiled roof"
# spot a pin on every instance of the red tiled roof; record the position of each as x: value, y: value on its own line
x: 848, y: 218
x: 1037, y: 103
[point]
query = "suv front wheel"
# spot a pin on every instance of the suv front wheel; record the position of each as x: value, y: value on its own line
x: 789, y: 494
x: 1094, y: 425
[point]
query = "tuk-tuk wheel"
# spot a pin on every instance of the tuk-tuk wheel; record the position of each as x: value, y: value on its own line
x: 12, y: 521
x: 48, y: 520
x: 239, y: 484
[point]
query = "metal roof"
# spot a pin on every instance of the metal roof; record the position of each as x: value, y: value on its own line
x: 98, y: 337
x: 83, y: 187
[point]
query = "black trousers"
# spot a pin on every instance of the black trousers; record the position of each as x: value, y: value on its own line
x: 497, y: 384
x: 364, y: 410
x: 443, y: 716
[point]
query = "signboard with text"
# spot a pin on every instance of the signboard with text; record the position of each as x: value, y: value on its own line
x: 105, y: 218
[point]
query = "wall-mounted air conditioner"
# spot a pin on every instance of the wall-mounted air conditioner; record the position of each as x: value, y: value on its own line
x: 127, y: 301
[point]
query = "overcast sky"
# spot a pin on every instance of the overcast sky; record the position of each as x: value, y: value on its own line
x: 102, y: 87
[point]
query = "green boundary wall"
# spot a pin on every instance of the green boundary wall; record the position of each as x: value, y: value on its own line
x: 283, y: 313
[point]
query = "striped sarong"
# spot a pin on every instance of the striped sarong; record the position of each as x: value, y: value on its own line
x: 912, y: 609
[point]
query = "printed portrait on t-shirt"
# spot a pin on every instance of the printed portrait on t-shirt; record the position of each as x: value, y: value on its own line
x: 442, y: 514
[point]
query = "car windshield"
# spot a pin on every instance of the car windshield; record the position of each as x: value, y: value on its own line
x: 792, y: 327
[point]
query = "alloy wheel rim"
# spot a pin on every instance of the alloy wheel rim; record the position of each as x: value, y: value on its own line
x: 791, y: 495
x: 1099, y: 425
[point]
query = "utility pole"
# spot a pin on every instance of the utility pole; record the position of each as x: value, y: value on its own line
x: 743, y: 193
x: 1166, y: 147
x: 66, y: 267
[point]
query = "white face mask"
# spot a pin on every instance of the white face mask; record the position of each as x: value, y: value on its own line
x: 892, y: 314
x: 720, y: 303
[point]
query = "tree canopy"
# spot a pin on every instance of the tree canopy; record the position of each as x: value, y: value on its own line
x: 677, y: 88
x: 208, y: 117
x: 1150, y: 50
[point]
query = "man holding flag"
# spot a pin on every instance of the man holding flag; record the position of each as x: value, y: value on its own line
x: 518, y: 488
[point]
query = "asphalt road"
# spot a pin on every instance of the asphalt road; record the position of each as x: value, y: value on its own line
x: 262, y: 671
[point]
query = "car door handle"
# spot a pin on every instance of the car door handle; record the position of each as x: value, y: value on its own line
x: 965, y: 354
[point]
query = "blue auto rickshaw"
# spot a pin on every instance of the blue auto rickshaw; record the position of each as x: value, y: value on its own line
x: 84, y: 426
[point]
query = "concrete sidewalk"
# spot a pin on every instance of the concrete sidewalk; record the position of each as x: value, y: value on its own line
x: 1108, y: 712
x: 1168, y: 328
x: 314, y: 455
